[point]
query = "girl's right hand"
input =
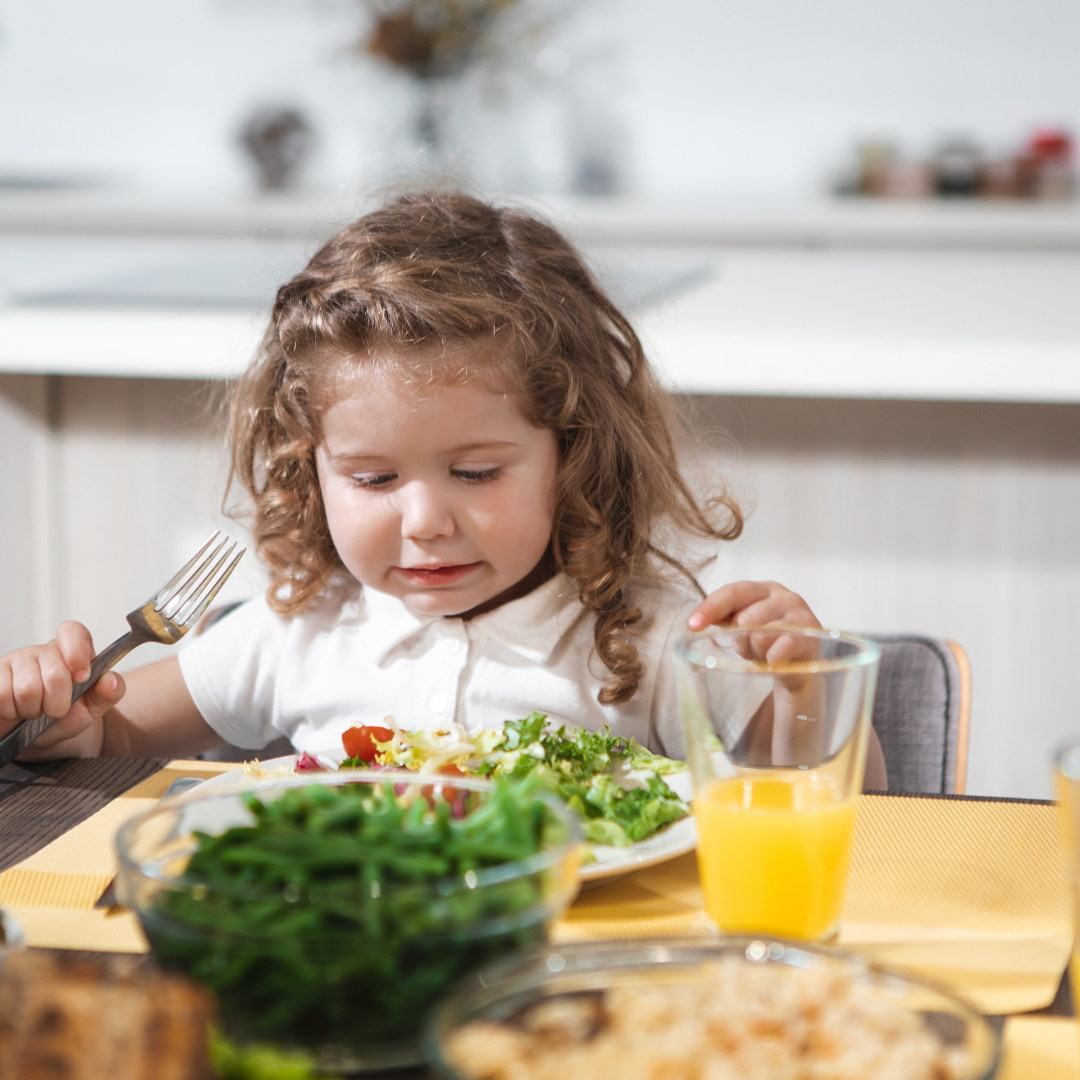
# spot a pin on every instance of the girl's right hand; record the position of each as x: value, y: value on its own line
x: 40, y: 678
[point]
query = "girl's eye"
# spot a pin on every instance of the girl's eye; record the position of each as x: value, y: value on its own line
x: 478, y: 476
x: 373, y: 480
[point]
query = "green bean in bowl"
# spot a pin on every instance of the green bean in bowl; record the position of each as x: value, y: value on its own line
x: 328, y: 912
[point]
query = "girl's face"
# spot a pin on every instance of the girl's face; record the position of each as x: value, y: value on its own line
x: 442, y: 497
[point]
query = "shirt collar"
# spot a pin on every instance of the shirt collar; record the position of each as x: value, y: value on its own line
x: 534, y: 625
x: 531, y: 626
x: 396, y: 622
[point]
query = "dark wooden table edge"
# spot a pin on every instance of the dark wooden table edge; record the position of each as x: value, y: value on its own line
x: 41, y: 802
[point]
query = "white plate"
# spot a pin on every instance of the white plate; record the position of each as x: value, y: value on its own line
x: 676, y: 839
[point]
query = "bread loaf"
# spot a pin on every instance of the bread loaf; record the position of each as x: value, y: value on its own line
x: 64, y: 1020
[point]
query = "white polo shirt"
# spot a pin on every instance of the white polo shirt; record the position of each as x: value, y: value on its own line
x: 356, y: 655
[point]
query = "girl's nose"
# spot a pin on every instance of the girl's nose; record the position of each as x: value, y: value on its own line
x: 424, y: 515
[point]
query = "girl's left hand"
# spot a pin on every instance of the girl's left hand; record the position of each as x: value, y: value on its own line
x: 753, y: 603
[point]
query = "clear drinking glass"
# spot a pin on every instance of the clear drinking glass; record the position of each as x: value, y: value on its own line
x: 776, y: 724
x: 1067, y: 783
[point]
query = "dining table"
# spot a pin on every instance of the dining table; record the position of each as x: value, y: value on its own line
x: 968, y: 891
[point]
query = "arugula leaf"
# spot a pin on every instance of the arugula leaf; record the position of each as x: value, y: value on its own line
x: 521, y: 733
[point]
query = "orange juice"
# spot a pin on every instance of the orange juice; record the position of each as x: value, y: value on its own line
x: 774, y: 854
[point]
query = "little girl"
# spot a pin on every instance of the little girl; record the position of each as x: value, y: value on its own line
x: 459, y: 466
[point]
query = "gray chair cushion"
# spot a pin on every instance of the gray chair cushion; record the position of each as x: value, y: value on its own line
x: 916, y: 712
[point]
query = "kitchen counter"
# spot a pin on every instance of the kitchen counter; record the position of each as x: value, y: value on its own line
x: 838, y: 321
x: 916, y: 325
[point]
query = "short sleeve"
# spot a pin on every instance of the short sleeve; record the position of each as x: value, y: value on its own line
x: 230, y: 672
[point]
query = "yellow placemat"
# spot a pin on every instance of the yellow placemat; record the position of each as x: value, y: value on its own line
x: 1040, y: 1048
x: 51, y: 894
x: 968, y: 893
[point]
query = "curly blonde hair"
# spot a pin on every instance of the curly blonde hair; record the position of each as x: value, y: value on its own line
x: 447, y: 269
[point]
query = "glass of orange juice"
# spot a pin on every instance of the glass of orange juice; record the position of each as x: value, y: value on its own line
x: 776, y: 725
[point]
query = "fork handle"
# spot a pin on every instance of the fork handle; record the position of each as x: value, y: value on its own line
x: 107, y: 658
x: 19, y: 738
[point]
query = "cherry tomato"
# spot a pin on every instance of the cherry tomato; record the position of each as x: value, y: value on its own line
x: 360, y: 741
x: 456, y: 797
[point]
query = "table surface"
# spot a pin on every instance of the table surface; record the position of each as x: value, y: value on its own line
x: 40, y: 802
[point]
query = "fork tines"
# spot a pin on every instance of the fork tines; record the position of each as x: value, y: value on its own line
x: 185, y: 597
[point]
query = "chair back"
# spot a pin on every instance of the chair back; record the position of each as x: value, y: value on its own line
x: 922, y: 712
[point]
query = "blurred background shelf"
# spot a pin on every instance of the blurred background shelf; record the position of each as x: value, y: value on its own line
x: 791, y: 222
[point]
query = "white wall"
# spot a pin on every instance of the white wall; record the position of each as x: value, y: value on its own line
x: 107, y: 485
x: 766, y: 96
x: 708, y: 97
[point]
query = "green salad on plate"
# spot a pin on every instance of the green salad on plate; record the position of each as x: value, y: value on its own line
x: 615, y: 786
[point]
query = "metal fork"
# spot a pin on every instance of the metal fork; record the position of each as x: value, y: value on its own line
x: 165, y: 618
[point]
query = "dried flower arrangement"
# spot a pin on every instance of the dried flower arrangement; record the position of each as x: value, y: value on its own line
x: 432, y: 39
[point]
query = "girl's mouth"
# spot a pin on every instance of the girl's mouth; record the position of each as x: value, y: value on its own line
x: 436, y: 575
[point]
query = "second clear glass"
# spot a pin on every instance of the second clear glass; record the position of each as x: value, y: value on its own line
x: 1067, y: 784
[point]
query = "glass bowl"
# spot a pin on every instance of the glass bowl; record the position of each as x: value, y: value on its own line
x: 11, y: 936
x: 346, y: 970
x: 506, y: 989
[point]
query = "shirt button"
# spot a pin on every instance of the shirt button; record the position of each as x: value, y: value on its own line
x: 438, y: 703
x: 452, y: 647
